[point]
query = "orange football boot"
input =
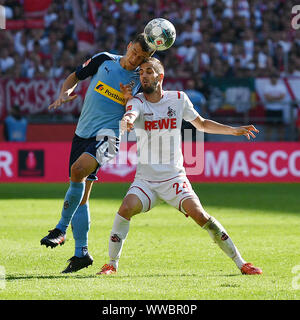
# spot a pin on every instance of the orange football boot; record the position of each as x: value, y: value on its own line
x: 107, y: 269
x: 248, y: 268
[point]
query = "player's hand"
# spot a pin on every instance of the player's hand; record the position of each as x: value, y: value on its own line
x: 246, y: 131
x: 61, y: 100
x: 127, y: 91
x: 126, y: 124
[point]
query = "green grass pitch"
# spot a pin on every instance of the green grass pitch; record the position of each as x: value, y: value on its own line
x: 165, y: 257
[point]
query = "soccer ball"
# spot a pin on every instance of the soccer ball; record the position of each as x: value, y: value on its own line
x: 160, y: 34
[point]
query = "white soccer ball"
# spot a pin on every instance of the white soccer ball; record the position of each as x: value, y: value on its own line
x: 160, y: 34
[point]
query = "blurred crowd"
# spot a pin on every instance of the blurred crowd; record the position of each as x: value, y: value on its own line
x: 215, y: 38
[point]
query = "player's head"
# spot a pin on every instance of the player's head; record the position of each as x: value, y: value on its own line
x: 137, y: 51
x: 16, y: 112
x: 274, y: 76
x: 151, y: 75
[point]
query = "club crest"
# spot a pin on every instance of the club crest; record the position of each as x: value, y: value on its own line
x: 171, y: 112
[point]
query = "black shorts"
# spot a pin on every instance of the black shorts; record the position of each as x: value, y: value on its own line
x: 274, y: 116
x: 103, y: 149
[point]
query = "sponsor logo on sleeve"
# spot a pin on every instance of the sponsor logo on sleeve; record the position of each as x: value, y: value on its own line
x: 86, y: 63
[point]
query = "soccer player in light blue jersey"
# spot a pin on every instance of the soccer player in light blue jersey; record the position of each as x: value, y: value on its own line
x: 114, y: 79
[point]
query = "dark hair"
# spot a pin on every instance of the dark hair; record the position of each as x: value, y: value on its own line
x: 274, y: 74
x: 141, y: 40
x: 16, y: 108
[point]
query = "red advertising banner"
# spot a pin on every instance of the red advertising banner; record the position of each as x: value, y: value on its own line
x: 250, y: 162
x: 35, y: 95
x: 220, y: 162
x: 34, y: 162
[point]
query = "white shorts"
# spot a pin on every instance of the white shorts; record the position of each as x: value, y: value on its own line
x: 173, y: 191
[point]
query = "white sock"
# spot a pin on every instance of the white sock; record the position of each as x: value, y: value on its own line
x: 117, y: 237
x: 220, y: 236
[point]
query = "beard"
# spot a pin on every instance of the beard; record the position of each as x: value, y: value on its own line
x: 151, y: 88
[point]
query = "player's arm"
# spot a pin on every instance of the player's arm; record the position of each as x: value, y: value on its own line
x: 127, y: 122
x: 210, y: 126
x: 68, y: 87
x: 131, y: 114
x: 127, y: 92
x: 87, y: 69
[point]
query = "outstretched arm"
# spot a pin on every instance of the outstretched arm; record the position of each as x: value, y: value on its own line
x: 65, y: 93
x: 210, y: 126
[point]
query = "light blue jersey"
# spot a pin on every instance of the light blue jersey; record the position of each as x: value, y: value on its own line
x: 104, y: 104
x: 15, y: 129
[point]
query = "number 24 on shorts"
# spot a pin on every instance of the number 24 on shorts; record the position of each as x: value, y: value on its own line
x: 179, y: 188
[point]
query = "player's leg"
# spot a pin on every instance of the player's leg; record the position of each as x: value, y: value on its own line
x: 80, y: 227
x: 81, y: 223
x: 87, y: 191
x: 180, y: 194
x: 193, y: 208
x: 80, y: 169
x: 131, y: 206
x: 138, y: 199
x: 103, y: 149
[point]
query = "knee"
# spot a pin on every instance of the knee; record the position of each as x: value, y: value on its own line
x: 126, y: 210
x: 131, y: 206
x: 77, y: 172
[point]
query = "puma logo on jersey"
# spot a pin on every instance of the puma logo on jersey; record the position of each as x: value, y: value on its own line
x: 161, y: 124
x: 107, y: 70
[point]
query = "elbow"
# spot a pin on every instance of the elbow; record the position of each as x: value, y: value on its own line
x: 73, y: 77
x: 198, y: 123
x: 203, y: 125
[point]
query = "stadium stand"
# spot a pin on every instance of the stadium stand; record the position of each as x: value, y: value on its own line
x: 242, y: 41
